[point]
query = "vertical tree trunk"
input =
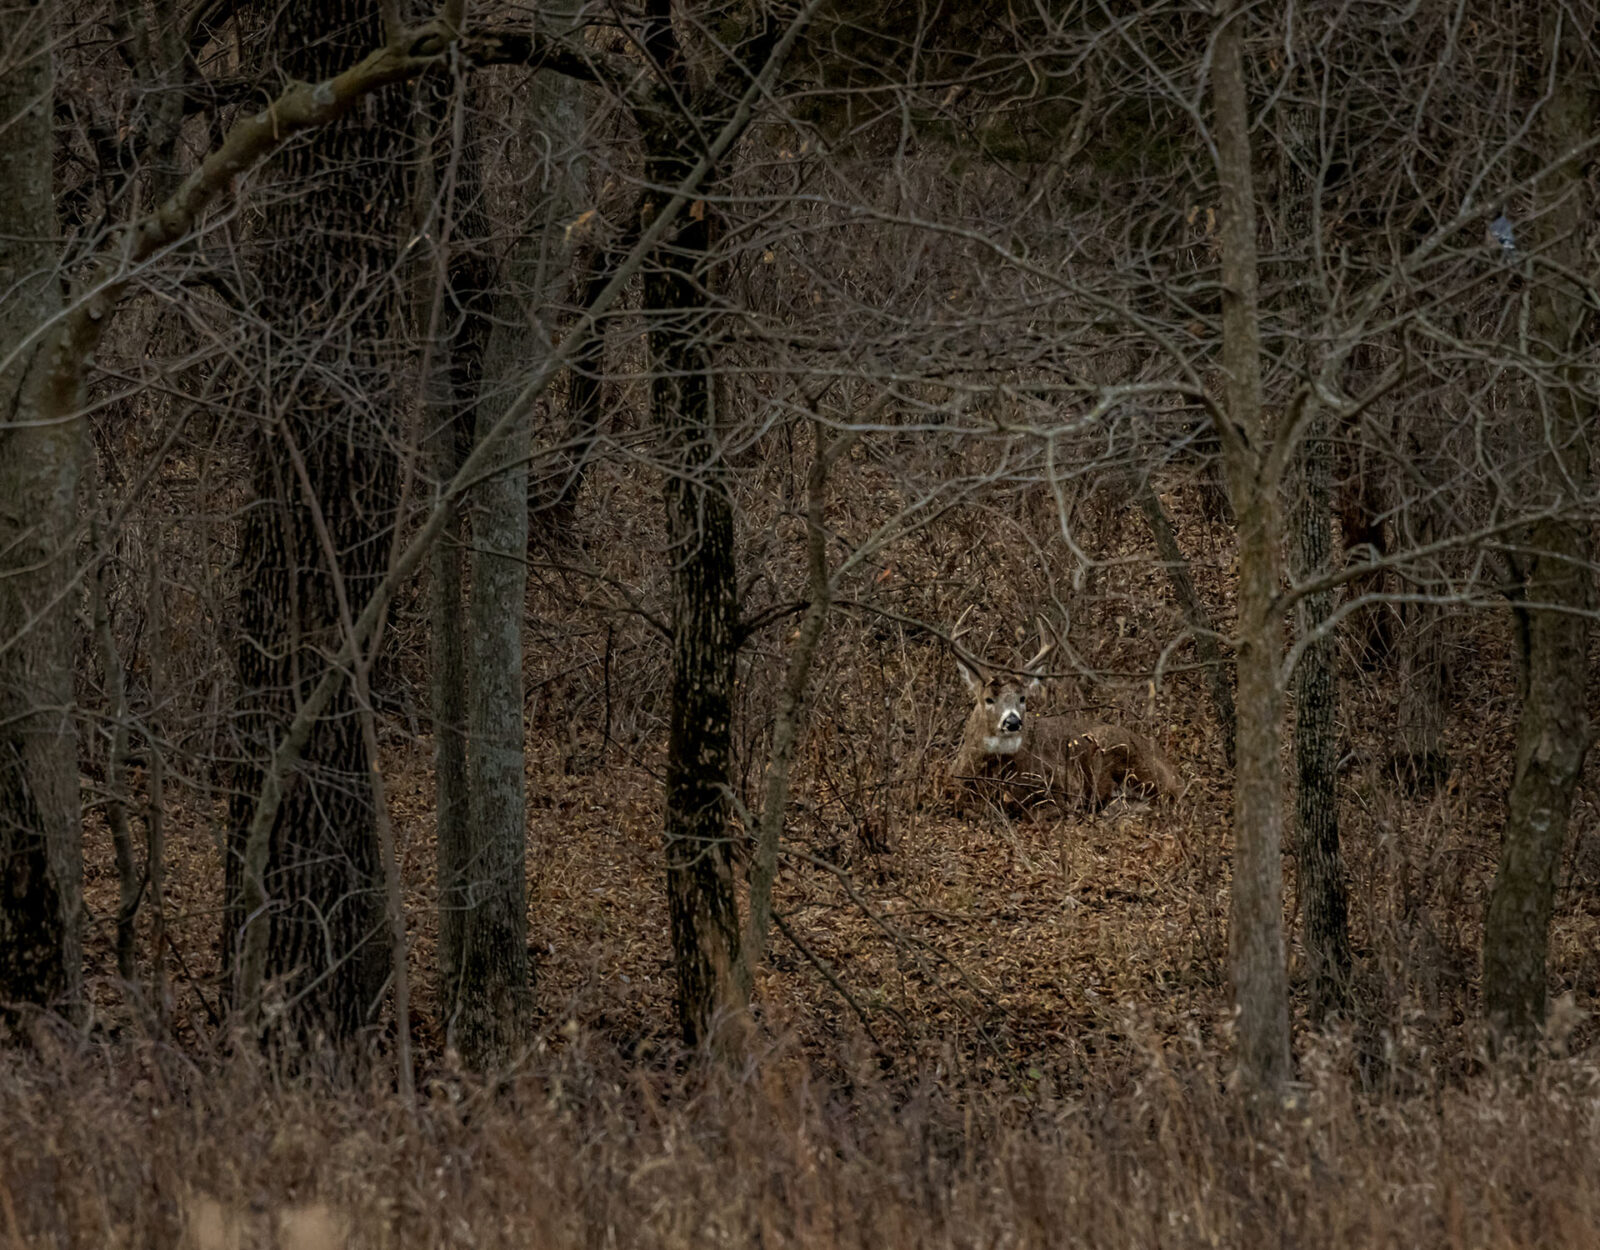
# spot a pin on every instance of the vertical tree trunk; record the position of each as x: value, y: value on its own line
x: 1255, y: 927
x: 702, y: 906
x: 448, y: 677
x: 1324, y: 910
x: 1553, y: 732
x: 492, y: 1003
x: 454, y: 295
x: 323, y: 880
x: 40, y: 462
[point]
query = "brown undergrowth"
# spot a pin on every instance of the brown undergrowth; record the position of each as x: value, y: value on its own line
x: 137, y: 1148
x: 975, y: 1031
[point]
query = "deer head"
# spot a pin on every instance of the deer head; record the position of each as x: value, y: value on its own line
x: 998, y: 721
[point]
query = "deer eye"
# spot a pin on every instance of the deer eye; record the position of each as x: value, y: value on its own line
x: 989, y: 701
x: 1023, y: 701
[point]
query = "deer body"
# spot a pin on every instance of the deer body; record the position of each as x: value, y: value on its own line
x: 1027, y: 759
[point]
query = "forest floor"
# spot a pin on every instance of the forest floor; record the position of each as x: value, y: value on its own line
x: 980, y: 1030
x: 1034, y: 1052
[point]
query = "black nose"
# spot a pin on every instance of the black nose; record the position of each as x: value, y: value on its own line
x: 1012, y: 723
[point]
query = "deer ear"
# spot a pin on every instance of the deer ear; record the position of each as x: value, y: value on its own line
x: 970, y: 675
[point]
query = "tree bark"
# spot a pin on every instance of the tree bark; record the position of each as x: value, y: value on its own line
x: 490, y: 1003
x: 1255, y: 929
x: 1553, y: 730
x: 42, y: 447
x: 322, y: 882
x: 702, y: 905
x: 452, y: 305
x: 1324, y: 908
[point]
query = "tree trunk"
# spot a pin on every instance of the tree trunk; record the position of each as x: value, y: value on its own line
x: 489, y: 1004
x: 702, y: 906
x: 452, y: 305
x: 1255, y: 930
x: 323, y: 882
x: 41, y: 455
x: 1324, y: 909
x: 448, y: 674
x: 1553, y: 731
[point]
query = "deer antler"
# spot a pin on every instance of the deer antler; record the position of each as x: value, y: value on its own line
x: 1048, y: 644
x: 965, y: 660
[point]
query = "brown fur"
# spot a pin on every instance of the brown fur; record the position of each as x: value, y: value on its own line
x: 1082, y: 762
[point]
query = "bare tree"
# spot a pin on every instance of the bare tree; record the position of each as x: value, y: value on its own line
x: 488, y: 993
x: 705, y: 592
x: 1557, y: 598
x: 328, y: 397
x: 42, y: 447
x: 1253, y: 457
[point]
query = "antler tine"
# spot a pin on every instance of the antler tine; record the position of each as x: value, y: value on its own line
x: 963, y: 656
x: 1047, y: 641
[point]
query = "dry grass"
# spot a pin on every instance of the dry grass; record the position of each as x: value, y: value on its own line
x: 137, y: 1149
x: 1036, y: 1049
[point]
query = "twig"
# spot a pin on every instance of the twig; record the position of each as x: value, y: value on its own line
x: 827, y: 974
x: 258, y: 840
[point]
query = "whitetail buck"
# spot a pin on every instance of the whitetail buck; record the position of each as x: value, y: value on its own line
x: 1028, y: 759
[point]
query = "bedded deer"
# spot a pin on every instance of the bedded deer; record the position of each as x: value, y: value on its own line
x: 1028, y: 759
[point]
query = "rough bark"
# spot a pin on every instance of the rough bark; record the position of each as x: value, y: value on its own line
x: 42, y: 445
x: 1324, y: 908
x: 490, y: 1003
x: 1255, y: 926
x: 322, y: 881
x: 371, y: 73
x: 702, y: 905
x: 1553, y: 729
x: 452, y: 304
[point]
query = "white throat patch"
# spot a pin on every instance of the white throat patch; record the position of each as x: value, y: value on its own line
x: 1003, y: 744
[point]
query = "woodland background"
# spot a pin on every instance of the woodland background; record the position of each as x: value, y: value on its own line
x: 485, y: 499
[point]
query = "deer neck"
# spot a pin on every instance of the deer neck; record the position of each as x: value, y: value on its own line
x: 1002, y: 744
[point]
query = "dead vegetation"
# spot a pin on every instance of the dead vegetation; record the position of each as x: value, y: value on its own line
x: 977, y: 1029
x: 578, y: 1148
